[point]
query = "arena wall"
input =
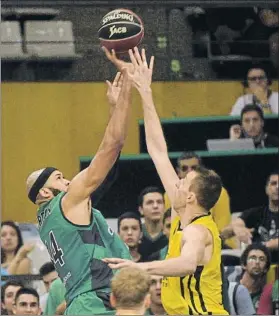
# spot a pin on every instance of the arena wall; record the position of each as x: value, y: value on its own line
x: 45, y: 124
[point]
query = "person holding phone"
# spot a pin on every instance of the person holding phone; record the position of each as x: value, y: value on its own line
x: 252, y: 126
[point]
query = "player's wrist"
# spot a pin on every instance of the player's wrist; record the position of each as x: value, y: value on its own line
x: 145, y: 90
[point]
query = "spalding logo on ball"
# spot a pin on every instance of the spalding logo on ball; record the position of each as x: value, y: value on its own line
x: 121, y: 30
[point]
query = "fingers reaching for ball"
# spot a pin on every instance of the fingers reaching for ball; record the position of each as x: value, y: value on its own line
x: 120, y: 64
x: 138, y: 59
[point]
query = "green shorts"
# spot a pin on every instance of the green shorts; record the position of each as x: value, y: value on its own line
x: 90, y: 303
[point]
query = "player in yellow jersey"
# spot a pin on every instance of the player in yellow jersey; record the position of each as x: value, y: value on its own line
x: 192, y: 268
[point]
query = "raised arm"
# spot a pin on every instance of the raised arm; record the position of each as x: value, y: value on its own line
x: 156, y: 144
x: 112, y: 96
x: 90, y: 178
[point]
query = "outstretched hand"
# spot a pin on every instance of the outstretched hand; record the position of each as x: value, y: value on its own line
x: 114, y: 89
x: 118, y: 263
x: 142, y: 75
x: 120, y: 64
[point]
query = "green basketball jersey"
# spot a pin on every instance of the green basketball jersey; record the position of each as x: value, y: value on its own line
x: 77, y: 250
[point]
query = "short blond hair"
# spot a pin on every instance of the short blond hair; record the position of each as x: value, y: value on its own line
x: 32, y: 179
x: 130, y: 286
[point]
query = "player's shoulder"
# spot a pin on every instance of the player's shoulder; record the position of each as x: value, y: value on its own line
x: 195, y: 230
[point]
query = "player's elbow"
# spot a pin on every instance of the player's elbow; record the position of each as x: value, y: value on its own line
x: 186, y: 267
x: 190, y: 268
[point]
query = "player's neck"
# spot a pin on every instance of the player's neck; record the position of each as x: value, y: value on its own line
x: 139, y: 311
x: 191, y: 214
x: 153, y: 228
x: 157, y: 309
x: 273, y: 206
x: 135, y: 254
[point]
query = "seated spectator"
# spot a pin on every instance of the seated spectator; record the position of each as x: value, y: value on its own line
x: 240, y: 300
x: 260, y: 94
x: 260, y: 224
x: 49, y: 274
x: 270, y: 18
x: 27, y: 302
x: 255, y: 262
x: 130, y: 231
x: 156, y: 306
x: 152, y: 207
x: 130, y: 291
x: 56, y: 304
x: 8, y: 293
x: 269, y: 300
x: 13, y: 252
x: 252, y: 126
x: 166, y: 230
x: 162, y: 253
x: 221, y: 212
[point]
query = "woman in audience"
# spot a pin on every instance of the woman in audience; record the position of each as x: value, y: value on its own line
x: 13, y: 253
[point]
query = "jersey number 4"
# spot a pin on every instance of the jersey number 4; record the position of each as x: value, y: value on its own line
x: 55, y: 251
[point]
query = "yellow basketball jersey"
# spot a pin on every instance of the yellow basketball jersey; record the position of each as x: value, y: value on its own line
x: 172, y: 300
x: 201, y: 292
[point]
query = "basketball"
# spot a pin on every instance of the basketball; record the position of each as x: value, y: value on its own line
x: 121, y: 30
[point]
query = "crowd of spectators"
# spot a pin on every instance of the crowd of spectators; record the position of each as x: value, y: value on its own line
x: 248, y: 290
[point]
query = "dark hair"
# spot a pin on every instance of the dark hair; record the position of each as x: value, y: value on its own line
x: 245, y: 81
x: 146, y: 191
x: 255, y: 246
x: 46, y: 268
x: 19, y: 237
x: 189, y: 155
x: 273, y: 173
x: 27, y: 290
x: 167, y: 214
x: 250, y: 108
x: 6, y: 285
x: 128, y: 215
x: 207, y: 186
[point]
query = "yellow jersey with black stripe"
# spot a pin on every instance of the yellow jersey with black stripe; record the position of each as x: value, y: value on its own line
x: 173, y: 302
x: 201, y: 292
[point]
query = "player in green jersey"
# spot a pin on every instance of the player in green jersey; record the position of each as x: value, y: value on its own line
x: 77, y: 236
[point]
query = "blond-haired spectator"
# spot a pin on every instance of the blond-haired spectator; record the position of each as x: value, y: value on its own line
x: 130, y: 291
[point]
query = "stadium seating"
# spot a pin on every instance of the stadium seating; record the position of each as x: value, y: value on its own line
x: 50, y: 40
x: 11, y: 42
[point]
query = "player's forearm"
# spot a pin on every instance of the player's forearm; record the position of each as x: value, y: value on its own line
x: 116, y: 131
x: 155, y: 140
x: 171, y: 267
